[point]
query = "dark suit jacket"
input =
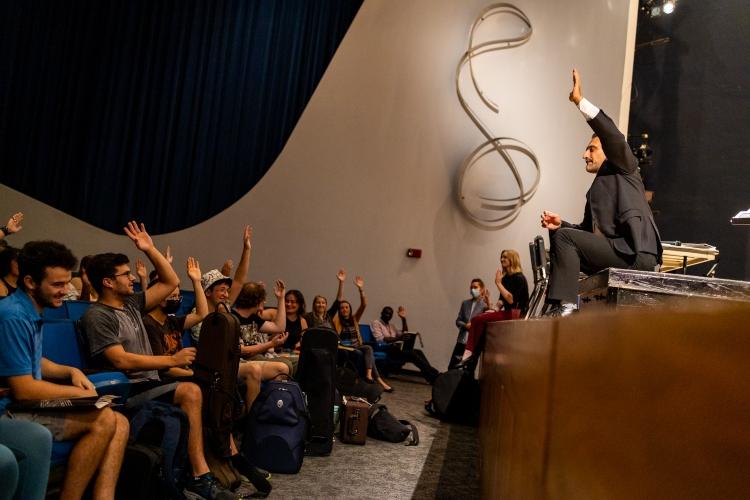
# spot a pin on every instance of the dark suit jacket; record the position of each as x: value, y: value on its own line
x: 616, y: 202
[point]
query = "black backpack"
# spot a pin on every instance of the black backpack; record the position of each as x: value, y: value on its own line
x: 316, y: 373
x: 215, y: 371
x: 155, y: 464
x: 455, y: 397
x: 384, y: 426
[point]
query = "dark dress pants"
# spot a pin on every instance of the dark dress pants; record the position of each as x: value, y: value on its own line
x: 573, y: 251
x: 417, y: 357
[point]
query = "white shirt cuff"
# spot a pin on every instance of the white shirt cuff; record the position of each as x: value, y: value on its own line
x: 588, y: 110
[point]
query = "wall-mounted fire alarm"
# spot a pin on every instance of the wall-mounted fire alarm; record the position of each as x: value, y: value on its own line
x: 414, y: 253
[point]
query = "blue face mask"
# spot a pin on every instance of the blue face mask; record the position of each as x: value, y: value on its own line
x: 474, y: 292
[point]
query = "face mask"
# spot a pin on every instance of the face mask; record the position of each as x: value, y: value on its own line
x: 173, y: 305
x: 474, y: 292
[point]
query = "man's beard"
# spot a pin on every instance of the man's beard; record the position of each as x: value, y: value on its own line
x: 41, y: 299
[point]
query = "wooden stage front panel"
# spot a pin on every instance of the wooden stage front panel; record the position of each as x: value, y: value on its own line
x: 618, y: 405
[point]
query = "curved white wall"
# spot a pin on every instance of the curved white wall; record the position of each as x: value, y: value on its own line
x: 370, y: 168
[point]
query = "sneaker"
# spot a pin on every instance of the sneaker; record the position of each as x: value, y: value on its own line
x: 207, y: 487
x: 561, y: 310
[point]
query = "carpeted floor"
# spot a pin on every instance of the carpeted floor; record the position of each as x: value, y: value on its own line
x: 444, y: 465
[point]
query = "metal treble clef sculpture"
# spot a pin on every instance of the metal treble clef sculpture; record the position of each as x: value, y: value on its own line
x: 497, y: 211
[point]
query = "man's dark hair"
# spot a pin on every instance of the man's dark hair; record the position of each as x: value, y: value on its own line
x: 478, y: 280
x: 252, y: 295
x: 388, y: 309
x: 300, y: 300
x: 593, y: 136
x: 104, y: 265
x: 7, y: 255
x: 36, y: 256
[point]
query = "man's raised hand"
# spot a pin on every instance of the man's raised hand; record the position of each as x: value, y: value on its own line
x: 576, y: 94
x: 401, y: 312
x: 139, y: 236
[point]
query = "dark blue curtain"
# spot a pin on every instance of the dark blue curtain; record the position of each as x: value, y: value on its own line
x: 165, y: 111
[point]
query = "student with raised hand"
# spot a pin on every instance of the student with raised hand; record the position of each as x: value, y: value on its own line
x: 15, y: 224
x: 346, y: 325
x: 254, y: 348
x: 101, y: 435
x: 165, y: 329
x: 385, y: 331
x: 321, y: 315
x: 117, y: 338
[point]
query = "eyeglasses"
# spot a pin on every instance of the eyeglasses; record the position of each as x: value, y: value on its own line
x: 126, y: 273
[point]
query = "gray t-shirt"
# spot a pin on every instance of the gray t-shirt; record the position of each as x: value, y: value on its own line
x: 106, y: 326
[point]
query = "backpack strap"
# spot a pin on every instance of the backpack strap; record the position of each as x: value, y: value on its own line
x: 413, y: 438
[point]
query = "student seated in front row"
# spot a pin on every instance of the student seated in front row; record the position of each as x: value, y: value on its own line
x: 117, y: 337
x: 101, y: 435
x: 385, y: 331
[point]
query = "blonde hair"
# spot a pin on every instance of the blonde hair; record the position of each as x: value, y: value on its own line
x: 515, y: 261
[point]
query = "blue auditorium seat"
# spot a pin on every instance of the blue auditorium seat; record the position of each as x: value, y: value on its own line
x: 379, y: 348
x: 55, y: 313
x: 60, y: 343
x: 76, y: 308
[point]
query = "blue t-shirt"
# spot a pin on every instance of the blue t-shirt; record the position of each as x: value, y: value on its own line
x: 20, y: 339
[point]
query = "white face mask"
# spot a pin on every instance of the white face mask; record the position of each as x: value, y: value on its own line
x: 474, y: 292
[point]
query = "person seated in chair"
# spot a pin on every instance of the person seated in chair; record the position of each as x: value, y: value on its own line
x: 100, y: 435
x: 514, y: 300
x: 117, y: 338
x: 346, y: 325
x: 255, y: 349
x: 384, y: 331
x: 164, y: 329
x: 618, y: 228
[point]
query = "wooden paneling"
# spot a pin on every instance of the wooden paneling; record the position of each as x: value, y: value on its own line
x: 618, y: 405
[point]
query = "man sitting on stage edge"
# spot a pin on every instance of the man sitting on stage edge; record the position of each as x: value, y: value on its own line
x: 618, y: 229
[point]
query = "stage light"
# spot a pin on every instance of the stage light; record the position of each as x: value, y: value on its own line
x: 668, y: 7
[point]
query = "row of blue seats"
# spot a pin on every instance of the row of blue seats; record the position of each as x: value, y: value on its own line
x: 74, y: 309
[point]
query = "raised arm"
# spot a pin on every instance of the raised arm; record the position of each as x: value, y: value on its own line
x: 360, y: 283
x: 341, y: 277
x: 278, y: 325
x: 201, y: 304
x: 140, y: 270
x: 614, y: 144
x: 402, y: 315
x: 13, y: 226
x: 168, y: 279
x: 240, y: 275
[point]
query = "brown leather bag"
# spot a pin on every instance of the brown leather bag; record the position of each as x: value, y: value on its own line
x: 354, y: 420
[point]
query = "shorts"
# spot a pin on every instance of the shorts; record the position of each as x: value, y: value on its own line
x: 52, y: 420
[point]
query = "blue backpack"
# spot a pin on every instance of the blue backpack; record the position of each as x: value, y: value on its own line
x: 277, y: 428
x: 165, y: 427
